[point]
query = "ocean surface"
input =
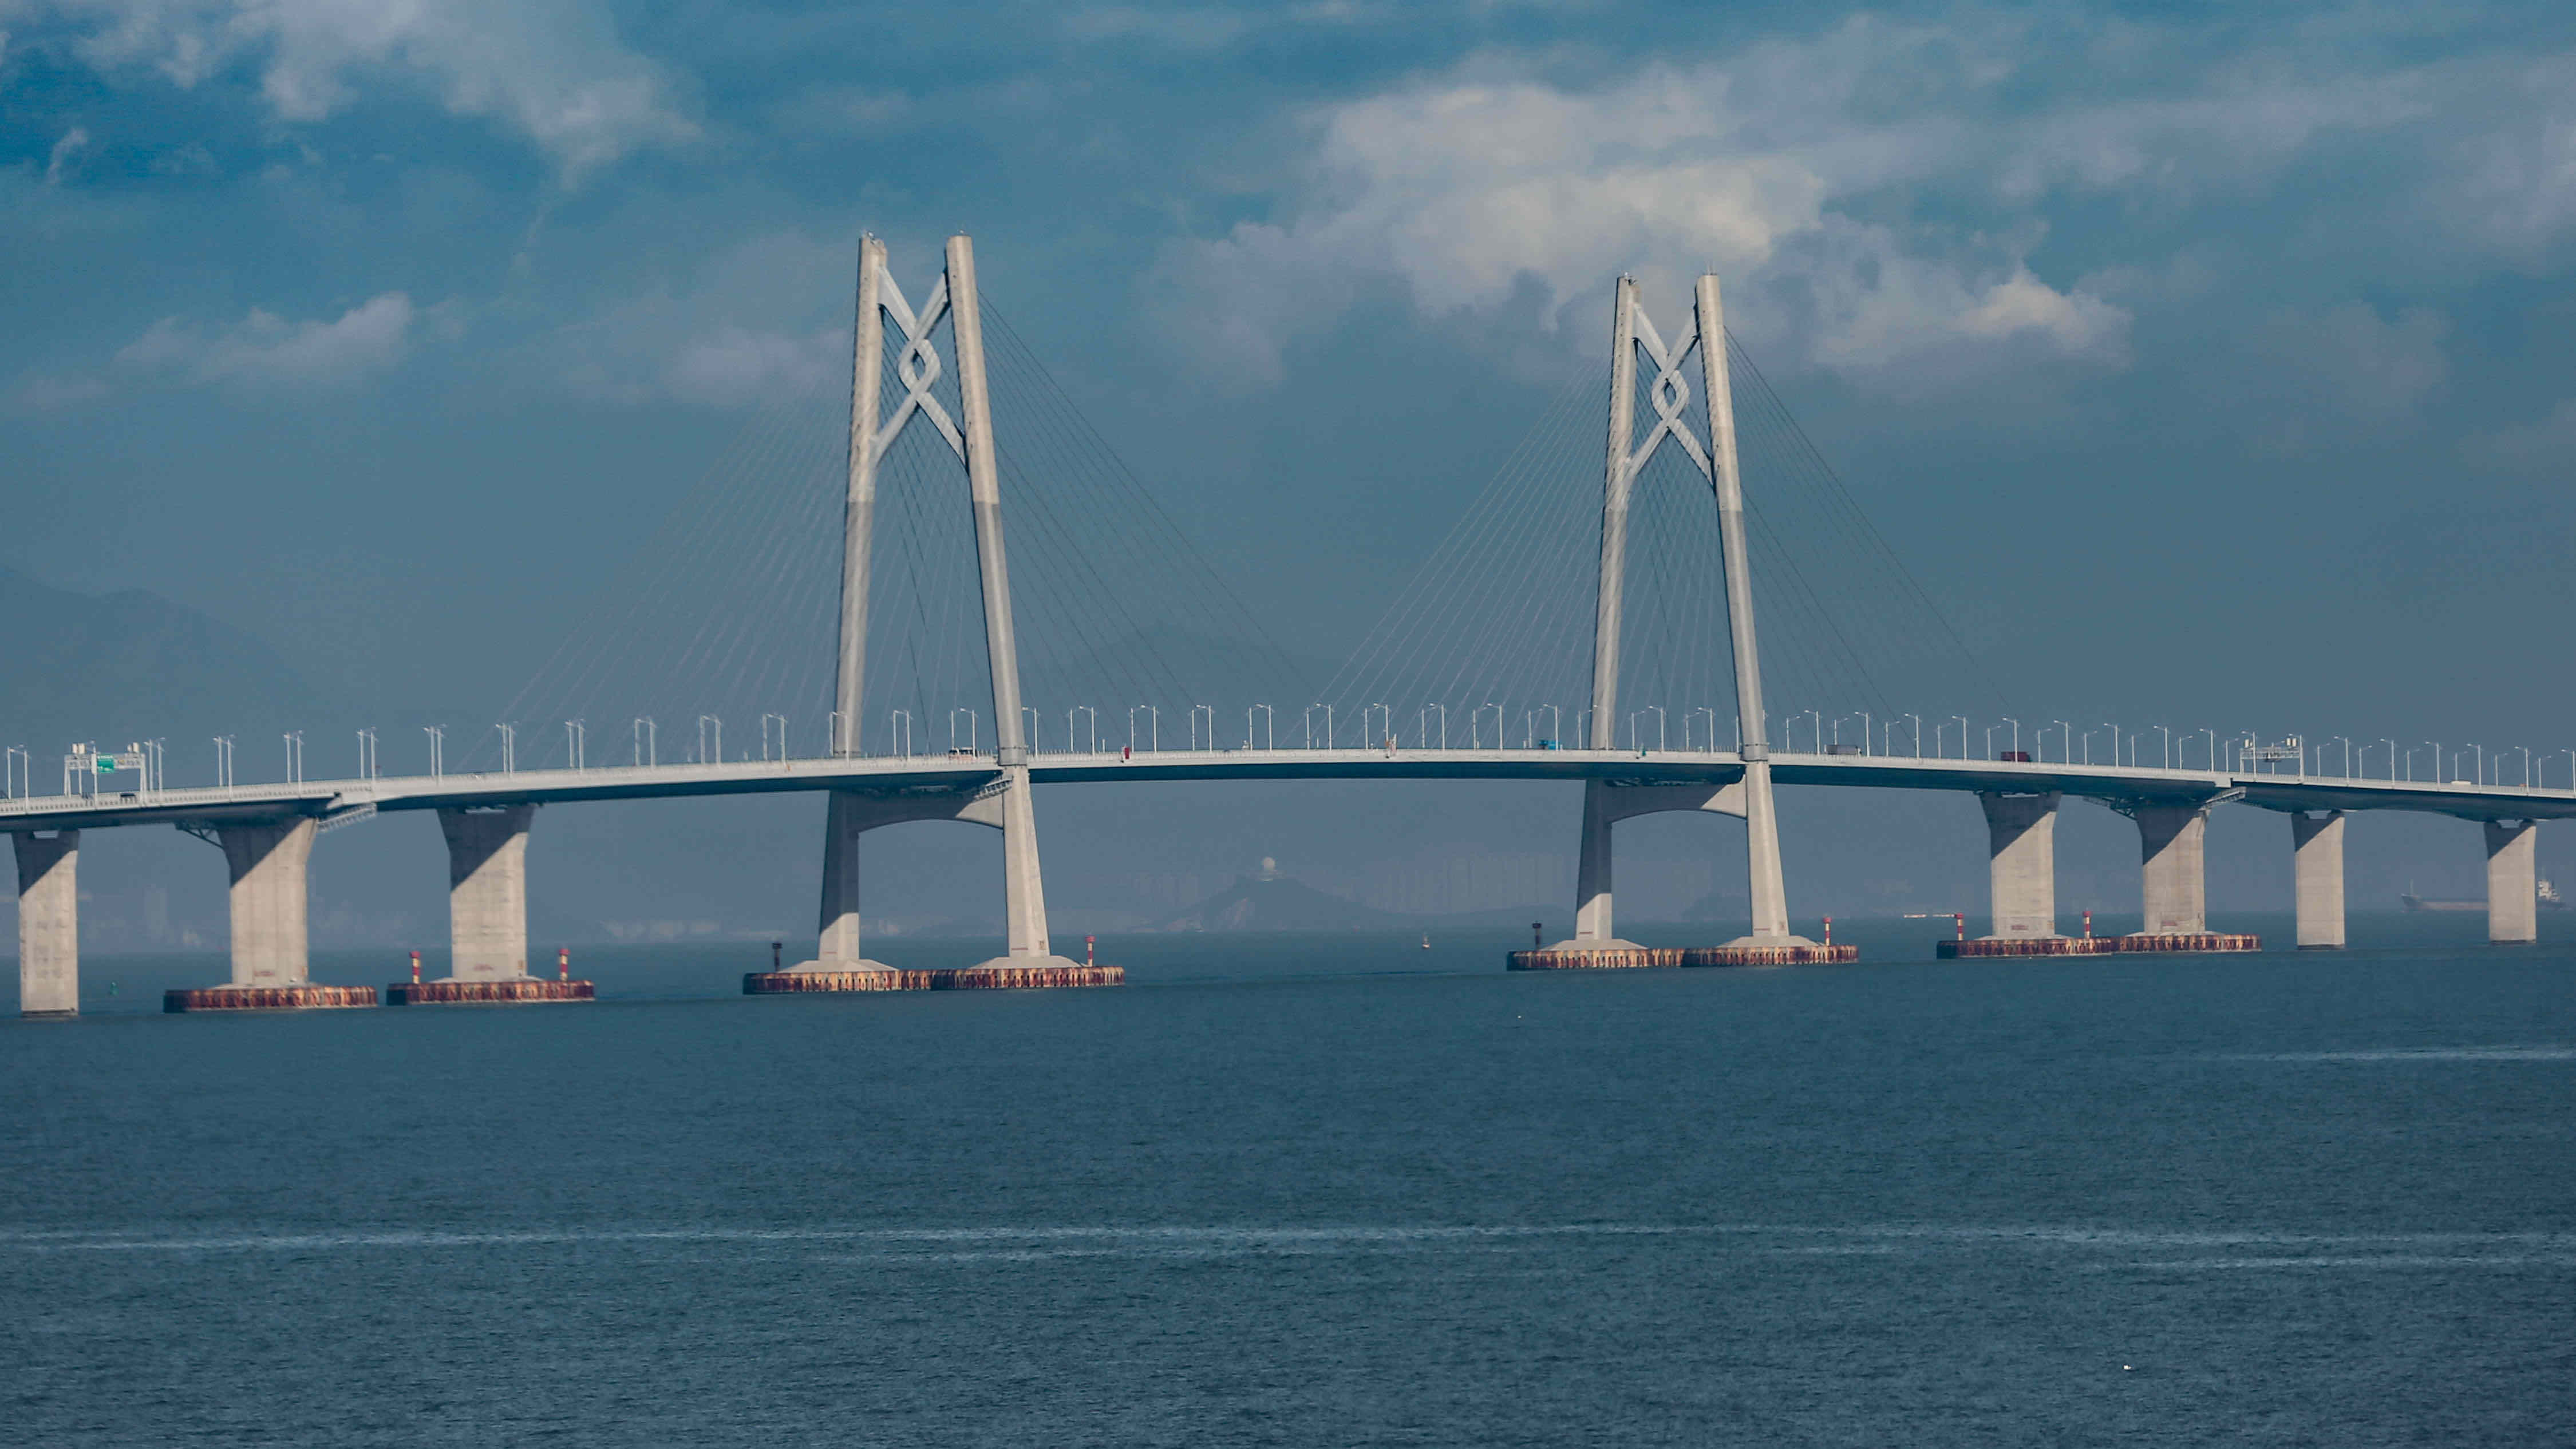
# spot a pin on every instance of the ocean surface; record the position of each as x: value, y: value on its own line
x: 1316, y: 1191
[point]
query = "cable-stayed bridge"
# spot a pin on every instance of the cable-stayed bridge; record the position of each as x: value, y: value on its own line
x: 1592, y: 619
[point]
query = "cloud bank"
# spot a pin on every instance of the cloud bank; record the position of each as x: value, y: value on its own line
x: 555, y: 73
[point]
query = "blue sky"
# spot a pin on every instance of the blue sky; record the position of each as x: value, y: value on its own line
x: 2204, y: 362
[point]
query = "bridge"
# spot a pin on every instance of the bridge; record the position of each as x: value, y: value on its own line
x: 267, y: 831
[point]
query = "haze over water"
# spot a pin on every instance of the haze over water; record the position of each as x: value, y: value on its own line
x: 1317, y: 1191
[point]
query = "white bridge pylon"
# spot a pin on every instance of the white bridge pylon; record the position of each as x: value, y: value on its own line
x: 1713, y: 453
x: 1004, y: 802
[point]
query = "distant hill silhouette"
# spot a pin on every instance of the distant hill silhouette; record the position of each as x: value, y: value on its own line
x: 131, y: 665
x: 1272, y: 902
x: 1269, y: 901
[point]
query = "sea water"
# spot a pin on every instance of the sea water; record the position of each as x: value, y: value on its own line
x: 1315, y: 1191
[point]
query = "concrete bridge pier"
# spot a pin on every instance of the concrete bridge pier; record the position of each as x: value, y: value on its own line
x: 2513, y: 884
x: 2173, y: 876
x: 2170, y: 850
x: 487, y: 916
x: 837, y: 948
x: 48, y: 923
x: 1592, y: 899
x: 487, y: 892
x: 268, y: 860
x: 2021, y: 866
x: 1002, y: 803
x: 2316, y: 841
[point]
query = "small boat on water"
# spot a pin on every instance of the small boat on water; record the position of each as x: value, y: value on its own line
x: 2546, y: 896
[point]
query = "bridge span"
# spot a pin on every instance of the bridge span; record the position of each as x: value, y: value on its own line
x: 267, y: 832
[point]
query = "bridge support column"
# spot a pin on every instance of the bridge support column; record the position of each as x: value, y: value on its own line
x: 2170, y: 851
x: 268, y: 859
x: 1593, y: 929
x: 48, y: 923
x: 487, y: 892
x: 848, y: 816
x: 2021, y: 841
x: 1023, y: 890
x: 2513, y: 884
x: 2317, y: 858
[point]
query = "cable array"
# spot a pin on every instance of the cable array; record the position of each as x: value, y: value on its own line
x: 724, y: 626
x: 1499, y: 620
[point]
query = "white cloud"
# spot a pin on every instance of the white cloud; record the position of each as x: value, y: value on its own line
x: 2326, y: 377
x: 763, y: 319
x: 2514, y: 188
x: 1485, y: 186
x: 39, y: 394
x: 556, y: 73
x: 2543, y: 441
x: 1876, y: 194
x: 67, y: 150
x: 266, y: 350
x: 735, y: 366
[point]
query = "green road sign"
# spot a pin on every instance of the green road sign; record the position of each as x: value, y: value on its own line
x: 106, y: 763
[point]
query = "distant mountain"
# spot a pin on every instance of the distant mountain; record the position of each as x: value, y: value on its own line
x: 1272, y: 902
x: 131, y: 665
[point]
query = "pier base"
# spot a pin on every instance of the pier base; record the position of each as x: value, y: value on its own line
x: 306, y: 997
x: 1627, y: 958
x: 2157, y: 942
x: 1033, y: 977
x: 452, y: 992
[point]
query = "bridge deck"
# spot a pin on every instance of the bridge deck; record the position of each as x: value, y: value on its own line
x: 2108, y: 783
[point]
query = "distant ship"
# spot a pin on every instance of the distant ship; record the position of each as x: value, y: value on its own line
x: 2547, y: 897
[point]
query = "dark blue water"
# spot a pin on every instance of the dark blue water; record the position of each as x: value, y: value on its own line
x: 1316, y: 1193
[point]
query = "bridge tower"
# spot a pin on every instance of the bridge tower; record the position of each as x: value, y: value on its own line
x: 1000, y: 797
x: 1712, y: 452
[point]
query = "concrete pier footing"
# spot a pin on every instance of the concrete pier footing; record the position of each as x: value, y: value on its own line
x: 1031, y: 977
x: 452, y: 992
x: 2021, y: 840
x: 2165, y: 943
x: 2170, y: 866
x: 48, y: 923
x: 1627, y: 957
x: 2317, y: 859
x: 2513, y: 883
x: 307, y: 997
